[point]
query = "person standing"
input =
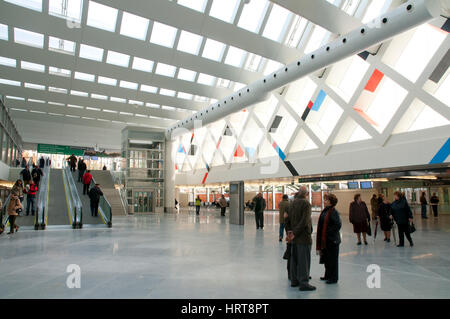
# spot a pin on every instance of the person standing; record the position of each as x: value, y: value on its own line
x: 259, y: 205
x: 23, y: 164
x: 300, y: 235
x: 434, y: 201
x: 31, y: 198
x: 36, y: 174
x: 41, y: 162
x: 198, y: 203
x: 223, y: 205
x: 72, y: 162
x: 385, y: 214
x: 402, y: 215
x: 18, y: 189
x: 423, y: 204
x: 87, y: 178
x: 81, y: 170
x: 13, y: 206
x: 329, y: 239
x: 360, y: 218
x: 94, y: 195
x: 374, y: 206
x: 26, y: 175
x: 104, y: 167
x: 282, y: 206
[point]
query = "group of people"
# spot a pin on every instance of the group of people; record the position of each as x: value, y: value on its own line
x: 221, y: 203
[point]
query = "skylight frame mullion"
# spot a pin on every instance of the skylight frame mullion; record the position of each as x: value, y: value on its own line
x: 264, y: 21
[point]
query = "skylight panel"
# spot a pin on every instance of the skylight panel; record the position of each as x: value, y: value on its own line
x: 277, y: 24
x: 128, y: 85
x: 117, y: 58
x: 35, y: 5
x: 20, y: 110
x: 187, y: 75
x: 238, y: 86
x: 58, y: 71
x: 318, y: 36
x: 36, y: 101
x: 32, y: 66
x: 9, y: 82
x: 15, y: 98
x: 75, y: 106
x: 252, y: 15
x: 350, y: 6
x: 167, y: 92
x: 375, y: 9
x: 84, y: 76
x: 57, y: 90
x: 56, y: 103
x: 185, y: 96
x: 272, y: 66
x: 253, y: 62
x: 79, y: 93
x: 92, y: 108
x: 7, y: 62
x: 28, y: 38
x: 213, y: 50
x: 206, y: 79
x: 60, y: 45
x: 224, y: 10
x: 99, y: 96
x: 3, y: 32
x: 296, y: 32
x: 34, y: 86
x: 235, y: 57
x: 224, y: 83
x: 152, y: 105
x: 165, y: 69
x: 134, y: 102
x: 101, y: 16
x: 142, y: 64
x: 197, y: 5
x: 66, y: 9
x: 91, y: 53
x: 189, y: 42
x: 117, y: 99
x: 134, y: 26
x: 107, y: 81
x: 163, y: 34
x: 148, y: 88
x: 166, y: 107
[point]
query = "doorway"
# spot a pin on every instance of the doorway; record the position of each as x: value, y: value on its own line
x: 143, y: 201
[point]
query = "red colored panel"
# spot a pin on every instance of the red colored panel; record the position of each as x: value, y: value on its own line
x: 218, y: 143
x: 374, y: 80
x: 239, y: 152
x: 176, y: 167
x: 365, y: 116
x: 310, y: 104
x: 204, y: 178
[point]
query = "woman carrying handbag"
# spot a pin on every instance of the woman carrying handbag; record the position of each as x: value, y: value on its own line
x: 14, y: 207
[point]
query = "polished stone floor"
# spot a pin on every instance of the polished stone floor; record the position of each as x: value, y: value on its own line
x: 184, y: 256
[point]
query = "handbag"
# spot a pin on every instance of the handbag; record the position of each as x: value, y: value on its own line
x: 369, y: 229
x: 19, y: 211
x: 412, y: 228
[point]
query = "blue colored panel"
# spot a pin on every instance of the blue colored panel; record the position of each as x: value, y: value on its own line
x: 181, y: 149
x: 279, y: 151
x: 319, y: 100
x: 442, y: 154
x: 251, y: 151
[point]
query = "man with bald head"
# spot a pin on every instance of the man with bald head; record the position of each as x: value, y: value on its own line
x: 260, y: 204
x: 299, y: 227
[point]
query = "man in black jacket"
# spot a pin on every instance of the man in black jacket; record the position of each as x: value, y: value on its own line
x: 81, y: 170
x: 94, y: 195
x: 26, y: 175
x: 260, y: 205
x: 36, y: 174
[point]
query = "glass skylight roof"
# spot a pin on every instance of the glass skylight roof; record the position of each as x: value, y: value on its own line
x: 28, y: 38
x: 277, y: 24
x: 185, y: 96
x: 7, y: 62
x: 32, y: 66
x: 165, y: 69
x: 91, y: 53
x: 117, y: 99
x: 206, y: 79
x: 187, y: 75
x: 198, y: 5
x: 101, y: 16
x: 213, y: 50
x: 107, y: 81
x: 142, y: 64
x: 163, y: 34
x: 128, y: 85
x: 296, y: 32
x: 189, y: 42
x: 148, y: 88
x: 9, y: 82
x: 318, y: 36
x: 99, y: 96
x: 167, y: 92
x: 66, y: 9
x: 117, y: 58
x: 29, y: 4
x: 252, y: 15
x: 84, y: 76
x: 34, y: 86
x: 235, y: 57
x: 224, y: 9
x: 253, y: 62
x: 375, y: 9
x: 3, y: 32
x: 272, y: 66
x: 60, y: 45
x: 134, y: 26
x: 58, y: 71
x: 79, y: 93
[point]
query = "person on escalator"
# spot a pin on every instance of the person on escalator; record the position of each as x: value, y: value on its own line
x: 81, y: 170
x: 94, y: 195
x: 36, y: 174
x: 31, y: 198
x: 26, y: 175
x: 19, y: 189
x: 14, y: 207
x: 87, y: 177
x: 72, y: 162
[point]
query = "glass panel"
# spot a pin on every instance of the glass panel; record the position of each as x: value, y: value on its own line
x: 163, y: 34
x: 134, y: 26
x: 252, y: 15
x: 101, y: 16
x: 224, y: 9
x: 142, y: 64
x: 28, y: 38
x: 213, y: 50
x: 198, y: 5
x: 189, y: 42
x: 91, y: 53
x: 61, y: 46
x: 277, y: 24
x: 117, y: 58
x: 32, y: 66
x: 66, y: 8
x: 3, y: 32
x: 29, y: 4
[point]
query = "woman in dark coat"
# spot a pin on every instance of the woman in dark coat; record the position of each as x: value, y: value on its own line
x: 329, y: 238
x: 403, y: 216
x: 385, y: 216
x: 359, y: 216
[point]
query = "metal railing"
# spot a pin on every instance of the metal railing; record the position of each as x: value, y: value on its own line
x: 74, y: 201
x: 119, y: 179
x: 4, y: 214
x: 104, y: 207
x: 40, y: 219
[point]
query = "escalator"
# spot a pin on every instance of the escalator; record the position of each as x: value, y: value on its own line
x: 87, y: 217
x: 58, y: 213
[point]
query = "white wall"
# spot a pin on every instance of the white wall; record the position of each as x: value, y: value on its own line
x: 4, y: 171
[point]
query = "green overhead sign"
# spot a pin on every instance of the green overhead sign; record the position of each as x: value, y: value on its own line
x: 59, y: 149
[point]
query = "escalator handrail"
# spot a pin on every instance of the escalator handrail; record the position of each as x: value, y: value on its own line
x: 4, y: 214
x: 74, y: 200
x: 109, y: 218
x: 42, y: 199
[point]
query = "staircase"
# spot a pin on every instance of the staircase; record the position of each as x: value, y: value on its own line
x: 105, y: 180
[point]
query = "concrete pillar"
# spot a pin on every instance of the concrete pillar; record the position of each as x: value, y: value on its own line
x: 207, y: 194
x: 273, y: 197
x: 310, y: 194
x: 169, y: 178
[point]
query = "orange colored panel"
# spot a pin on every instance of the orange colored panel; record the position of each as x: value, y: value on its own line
x: 365, y: 116
x: 374, y: 81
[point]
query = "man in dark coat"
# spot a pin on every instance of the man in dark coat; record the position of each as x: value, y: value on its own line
x: 434, y: 201
x: 81, y: 170
x: 94, y: 195
x: 41, y: 162
x: 72, y: 162
x: 260, y: 205
x: 36, y: 174
x: 299, y: 234
x: 26, y: 175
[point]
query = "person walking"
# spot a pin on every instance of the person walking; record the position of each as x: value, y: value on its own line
x: 36, y: 174
x: 26, y: 175
x: 41, y: 162
x: 434, y: 201
x: 300, y: 235
x: 94, y: 195
x: 402, y: 215
x: 81, y: 170
x: 259, y: 204
x: 23, y: 164
x: 14, y: 206
x: 87, y: 178
x: 423, y: 204
x: 384, y: 215
x: 72, y: 162
x: 223, y: 205
x: 104, y: 167
x: 329, y: 238
x: 374, y: 206
x: 31, y: 198
x: 18, y: 189
x: 283, y: 207
x: 360, y: 218
x: 198, y: 203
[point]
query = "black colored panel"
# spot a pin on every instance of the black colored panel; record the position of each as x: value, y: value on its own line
x: 275, y: 124
x: 291, y: 168
x: 446, y: 25
x: 305, y: 114
x: 364, y: 55
x: 228, y: 132
x: 193, y: 150
x: 441, y: 68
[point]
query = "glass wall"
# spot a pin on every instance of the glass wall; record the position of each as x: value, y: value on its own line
x: 10, y: 140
